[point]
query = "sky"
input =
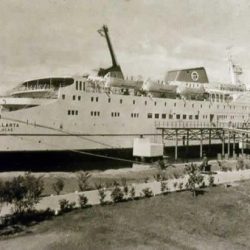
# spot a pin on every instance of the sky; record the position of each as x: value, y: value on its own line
x: 59, y: 37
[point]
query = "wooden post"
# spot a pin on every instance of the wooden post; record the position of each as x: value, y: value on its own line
x: 187, y: 147
x: 228, y: 145
x: 223, y: 143
x: 233, y: 144
x: 176, y: 144
x: 201, y: 145
x: 242, y: 146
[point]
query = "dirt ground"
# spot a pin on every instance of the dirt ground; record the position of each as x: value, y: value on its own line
x: 217, y: 219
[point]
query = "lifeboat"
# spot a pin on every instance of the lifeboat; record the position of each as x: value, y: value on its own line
x: 114, y: 79
x: 158, y: 89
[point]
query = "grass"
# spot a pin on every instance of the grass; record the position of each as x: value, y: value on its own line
x: 216, y: 220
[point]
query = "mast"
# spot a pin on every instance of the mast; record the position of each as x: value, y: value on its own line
x: 235, y: 70
x: 115, y: 67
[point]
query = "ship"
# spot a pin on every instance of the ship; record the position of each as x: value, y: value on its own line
x: 107, y: 111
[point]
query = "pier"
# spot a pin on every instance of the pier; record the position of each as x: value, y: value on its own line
x: 205, y: 133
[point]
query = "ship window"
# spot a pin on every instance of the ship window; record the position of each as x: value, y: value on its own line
x: 79, y: 98
x: 92, y: 99
x: 146, y: 102
x: 163, y: 116
x: 190, y: 117
x: 74, y: 97
x: 76, y: 85
x: 121, y: 101
x: 96, y: 99
x: 156, y: 116
x: 196, y: 117
x: 150, y: 115
x: 63, y: 97
x: 184, y: 116
x: 178, y: 116
x: 170, y: 116
x: 133, y: 101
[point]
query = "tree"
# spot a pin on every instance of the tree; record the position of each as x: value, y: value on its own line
x: 82, y: 178
x: 23, y: 192
x: 58, y: 186
x: 195, y: 179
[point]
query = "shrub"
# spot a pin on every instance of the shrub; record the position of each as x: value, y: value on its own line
x: 102, y: 195
x: 164, y: 187
x: 82, y: 178
x: 180, y: 185
x: 117, y: 194
x: 23, y: 192
x: 211, y: 180
x: 195, y: 179
x: 132, y: 193
x: 58, y: 186
x: 83, y: 200
x: 240, y: 163
x: 66, y: 206
x: 147, y: 192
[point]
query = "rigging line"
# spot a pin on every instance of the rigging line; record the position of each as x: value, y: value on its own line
x: 58, y: 130
x: 83, y: 152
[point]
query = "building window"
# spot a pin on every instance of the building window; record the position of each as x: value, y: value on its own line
x: 76, y: 85
x: 184, y: 116
x: 192, y: 105
x: 150, y: 115
x: 132, y: 115
x: 156, y: 116
x: 163, y: 116
x: 155, y: 103
x: 190, y: 117
x: 76, y: 112
x: 170, y: 116
x: 63, y: 97
x: 196, y: 117
x: 109, y: 100
x: 69, y: 112
x: 165, y: 104
x: 80, y: 86
x: 121, y: 101
x: 73, y: 112
x: 175, y: 104
x: 178, y: 116
x: 96, y: 99
x: 146, y: 103
x: 92, y: 99
x: 79, y: 98
x: 74, y: 97
x: 133, y: 101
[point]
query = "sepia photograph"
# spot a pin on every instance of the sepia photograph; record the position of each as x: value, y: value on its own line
x: 124, y: 124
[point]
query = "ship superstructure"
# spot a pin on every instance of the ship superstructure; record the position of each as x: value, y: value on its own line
x: 109, y: 110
